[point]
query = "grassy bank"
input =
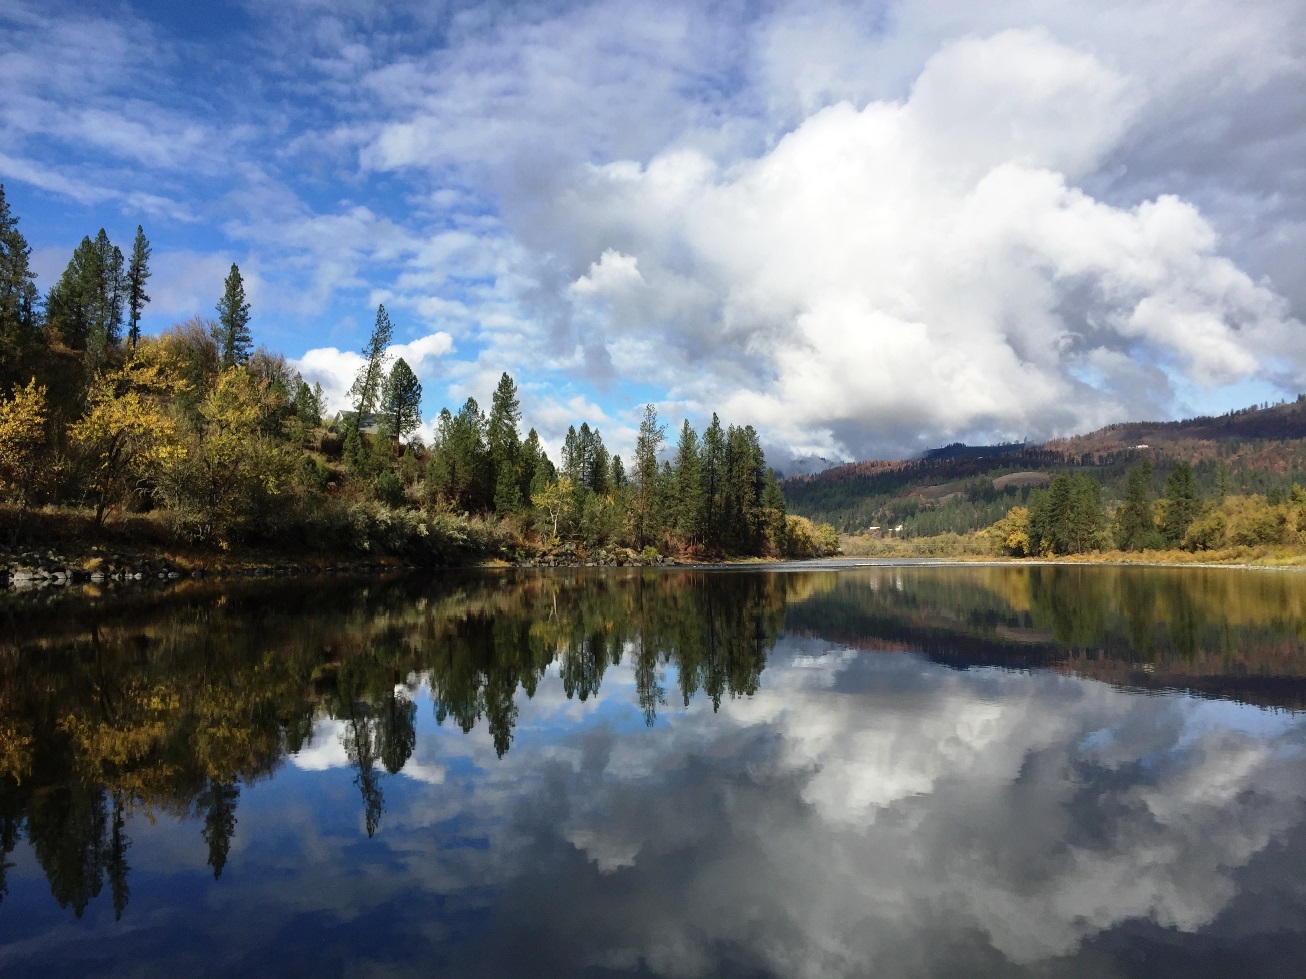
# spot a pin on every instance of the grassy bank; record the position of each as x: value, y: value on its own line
x: 977, y: 546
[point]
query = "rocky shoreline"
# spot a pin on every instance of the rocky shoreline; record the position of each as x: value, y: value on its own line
x: 46, y: 568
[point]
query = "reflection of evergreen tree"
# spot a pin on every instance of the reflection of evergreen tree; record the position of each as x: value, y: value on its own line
x: 1138, y: 605
x: 10, y: 823
x: 398, y: 732
x: 501, y: 709
x: 118, y: 868
x: 1185, y: 619
x: 583, y: 666
x: 67, y: 829
x: 1071, y: 602
x: 219, y: 801
x: 647, y: 685
x: 361, y: 746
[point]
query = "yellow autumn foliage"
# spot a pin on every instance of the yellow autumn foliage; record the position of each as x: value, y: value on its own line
x: 22, y: 434
x: 127, y: 430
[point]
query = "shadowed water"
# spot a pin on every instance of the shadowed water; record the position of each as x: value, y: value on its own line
x: 872, y: 772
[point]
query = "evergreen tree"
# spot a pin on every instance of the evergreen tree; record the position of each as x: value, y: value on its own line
x: 1067, y: 518
x: 572, y: 457
x: 774, y: 513
x: 743, y: 480
x: 459, y: 469
x: 714, y: 460
x: 617, y: 474
x: 19, y: 323
x: 600, y: 464
x: 1134, y: 530
x: 108, y: 293
x: 1182, y: 504
x: 1223, y: 480
x: 535, y: 469
x: 308, y: 404
x: 137, y: 272
x: 688, y: 483
x: 232, y: 330
x: 647, y: 444
x: 501, y: 433
x: 367, y: 388
x: 403, y: 400
x: 85, y: 305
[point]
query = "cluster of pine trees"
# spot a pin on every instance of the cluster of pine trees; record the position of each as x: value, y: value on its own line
x: 1070, y: 518
x: 228, y: 443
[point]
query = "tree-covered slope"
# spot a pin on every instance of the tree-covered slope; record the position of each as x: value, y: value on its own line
x: 960, y: 488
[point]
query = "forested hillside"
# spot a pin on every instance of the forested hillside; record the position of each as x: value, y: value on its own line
x: 1255, y: 450
x: 214, y: 443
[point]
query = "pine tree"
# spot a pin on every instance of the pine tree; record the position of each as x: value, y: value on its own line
x: 647, y: 444
x: 19, y: 325
x: 571, y: 455
x: 459, y: 469
x: 714, y: 459
x: 1223, y: 480
x: 743, y: 480
x: 600, y: 464
x: 85, y: 305
x: 535, y: 471
x: 366, y: 390
x: 137, y: 272
x: 501, y: 432
x: 403, y: 400
x: 1182, y: 504
x: 308, y: 404
x: 1134, y: 530
x: 232, y: 331
x: 688, y: 484
x: 774, y: 512
x: 106, y: 290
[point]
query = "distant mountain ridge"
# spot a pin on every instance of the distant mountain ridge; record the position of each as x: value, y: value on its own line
x: 953, y: 487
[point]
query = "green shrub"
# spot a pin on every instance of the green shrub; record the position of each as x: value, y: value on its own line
x: 388, y: 488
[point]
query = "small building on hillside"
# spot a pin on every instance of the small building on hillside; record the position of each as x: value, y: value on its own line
x: 369, y: 425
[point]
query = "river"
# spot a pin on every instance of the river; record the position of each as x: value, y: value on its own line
x: 873, y: 771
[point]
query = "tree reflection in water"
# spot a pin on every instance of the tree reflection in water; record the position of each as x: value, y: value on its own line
x: 168, y: 704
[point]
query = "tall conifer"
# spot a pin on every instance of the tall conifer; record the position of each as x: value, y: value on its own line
x: 367, y: 387
x: 232, y: 331
x: 137, y: 272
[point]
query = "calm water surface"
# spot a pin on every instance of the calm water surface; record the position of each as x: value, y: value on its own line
x: 872, y: 772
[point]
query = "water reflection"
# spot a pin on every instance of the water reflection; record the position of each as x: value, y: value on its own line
x: 689, y: 774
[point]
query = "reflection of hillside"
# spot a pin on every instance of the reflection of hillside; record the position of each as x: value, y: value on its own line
x: 1215, y: 633
x: 170, y: 703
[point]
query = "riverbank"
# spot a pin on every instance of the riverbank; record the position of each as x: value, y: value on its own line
x: 65, y: 547
x: 58, y: 547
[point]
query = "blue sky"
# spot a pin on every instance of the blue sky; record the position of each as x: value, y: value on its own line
x: 867, y: 228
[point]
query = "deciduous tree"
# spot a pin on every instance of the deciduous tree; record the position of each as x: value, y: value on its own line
x: 22, y: 437
x: 126, y: 430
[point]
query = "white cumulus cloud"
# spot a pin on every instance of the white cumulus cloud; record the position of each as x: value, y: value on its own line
x: 925, y: 266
